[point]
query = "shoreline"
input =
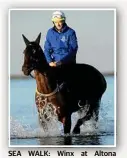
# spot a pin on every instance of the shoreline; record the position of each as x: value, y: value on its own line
x: 28, y: 77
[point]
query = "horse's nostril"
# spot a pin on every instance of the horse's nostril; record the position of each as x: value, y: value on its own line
x: 25, y: 70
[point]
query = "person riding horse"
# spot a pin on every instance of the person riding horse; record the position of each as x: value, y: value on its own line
x: 89, y: 87
x: 84, y: 84
x: 61, y: 44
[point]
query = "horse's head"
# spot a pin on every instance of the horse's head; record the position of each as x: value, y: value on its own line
x: 34, y: 58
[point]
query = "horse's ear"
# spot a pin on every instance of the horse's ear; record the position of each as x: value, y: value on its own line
x: 26, y: 40
x: 38, y: 38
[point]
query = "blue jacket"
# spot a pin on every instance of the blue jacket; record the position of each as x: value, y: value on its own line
x: 61, y: 47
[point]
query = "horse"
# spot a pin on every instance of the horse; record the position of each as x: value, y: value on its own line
x: 64, y: 89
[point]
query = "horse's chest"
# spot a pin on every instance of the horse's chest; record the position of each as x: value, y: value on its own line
x: 40, y: 101
x: 54, y: 105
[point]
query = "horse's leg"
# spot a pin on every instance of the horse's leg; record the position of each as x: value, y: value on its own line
x: 42, y: 124
x: 67, y: 123
x: 93, y: 109
x: 87, y: 117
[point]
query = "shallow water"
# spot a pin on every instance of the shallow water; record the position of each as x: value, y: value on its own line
x: 25, y: 129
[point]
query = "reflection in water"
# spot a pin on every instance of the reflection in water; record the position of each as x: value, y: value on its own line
x: 87, y: 140
x: 70, y: 140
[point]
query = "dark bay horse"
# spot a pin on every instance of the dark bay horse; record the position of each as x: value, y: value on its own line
x: 64, y: 89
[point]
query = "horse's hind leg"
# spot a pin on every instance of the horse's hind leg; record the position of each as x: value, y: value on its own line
x: 93, y: 111
x: 76, y: 129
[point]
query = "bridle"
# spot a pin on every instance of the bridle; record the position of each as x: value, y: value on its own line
x: 57, y: 89
x: 32, y: 76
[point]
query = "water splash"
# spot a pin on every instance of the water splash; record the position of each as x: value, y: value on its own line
x: 55, y: 128
x: 19, y: 130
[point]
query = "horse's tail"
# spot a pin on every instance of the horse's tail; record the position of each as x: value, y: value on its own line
x: 103, y: 84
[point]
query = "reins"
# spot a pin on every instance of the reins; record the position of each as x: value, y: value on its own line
x: 32, y: 76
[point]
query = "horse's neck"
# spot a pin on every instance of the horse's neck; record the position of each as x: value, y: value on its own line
x: 44, y: 83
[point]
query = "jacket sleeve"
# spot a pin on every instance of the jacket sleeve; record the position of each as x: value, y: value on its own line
x: 73, y: 47
x: 47, y: 48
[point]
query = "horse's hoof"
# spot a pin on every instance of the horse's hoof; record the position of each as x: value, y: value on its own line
x: 76, y: 130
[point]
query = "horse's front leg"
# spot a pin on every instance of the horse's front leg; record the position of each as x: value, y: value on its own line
x: 66, y: 120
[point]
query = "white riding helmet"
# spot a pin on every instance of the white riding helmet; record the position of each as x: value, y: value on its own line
x: 58, y: 16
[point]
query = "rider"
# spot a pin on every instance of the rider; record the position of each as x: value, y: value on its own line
x: 61, y: 42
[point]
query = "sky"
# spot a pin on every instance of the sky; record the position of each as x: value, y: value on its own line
x: 94, y: 30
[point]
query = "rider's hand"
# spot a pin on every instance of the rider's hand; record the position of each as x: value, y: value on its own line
x: 52, y: 64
